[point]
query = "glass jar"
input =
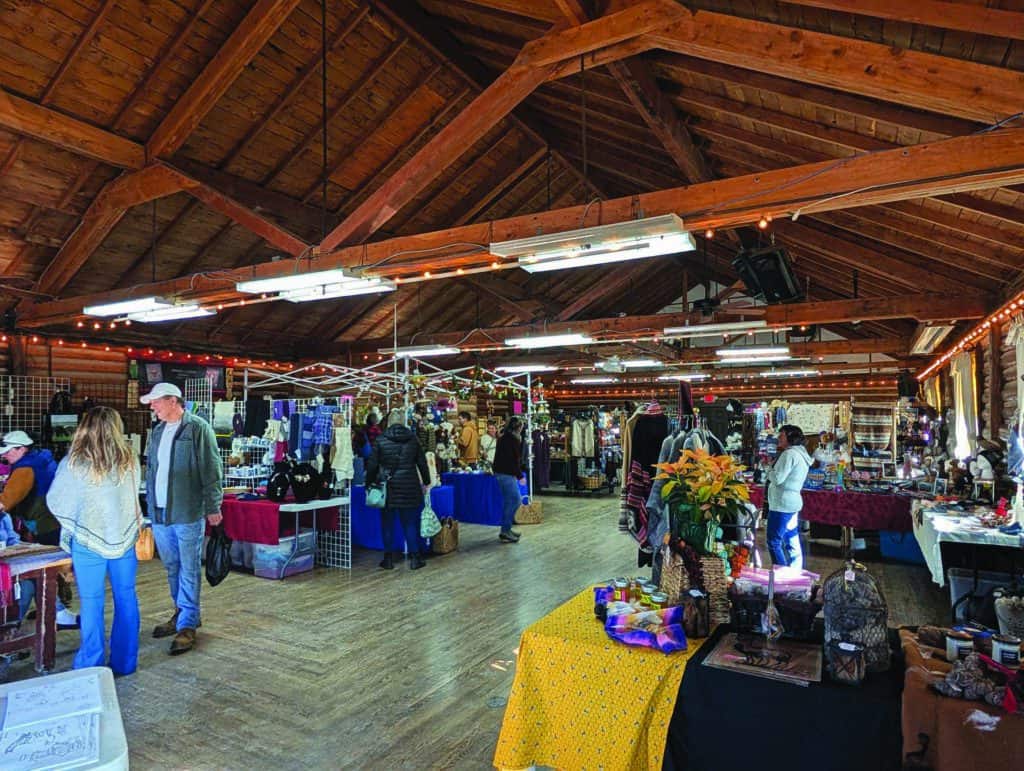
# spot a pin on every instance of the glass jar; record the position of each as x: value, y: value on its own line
x: 659, y: 600
x: 634, y: 591
x: 621, y: 586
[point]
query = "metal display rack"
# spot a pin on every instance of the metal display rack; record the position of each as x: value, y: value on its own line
x: 25, y: 401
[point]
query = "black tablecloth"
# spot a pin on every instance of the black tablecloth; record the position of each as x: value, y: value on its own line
x: 727, y: 720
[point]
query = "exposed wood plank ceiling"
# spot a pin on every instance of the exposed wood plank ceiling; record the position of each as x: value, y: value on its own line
x: 228, y: 93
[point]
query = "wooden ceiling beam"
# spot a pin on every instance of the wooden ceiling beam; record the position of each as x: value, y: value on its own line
x: 245, y: 42
x: 983, y: 160
x: 130, y: 189
x: 973, y: 19
x: 503, y: 180
x: 47, y: 125
x: 619, y: 279
x: 928, y: 306
x: 927, y: 81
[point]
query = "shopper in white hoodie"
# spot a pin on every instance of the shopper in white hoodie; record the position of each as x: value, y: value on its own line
x: 785, y: 480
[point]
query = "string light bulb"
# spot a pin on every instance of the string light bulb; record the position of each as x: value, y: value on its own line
x: 763, y: 223
x: 709, y: 234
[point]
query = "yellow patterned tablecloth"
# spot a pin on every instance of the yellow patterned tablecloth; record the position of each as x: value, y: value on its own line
x: 580, y: 700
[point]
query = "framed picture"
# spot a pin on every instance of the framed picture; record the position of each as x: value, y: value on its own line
x: 63, y: 427
x: 786, y: 660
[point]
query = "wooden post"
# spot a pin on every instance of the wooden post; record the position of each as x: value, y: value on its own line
x: 18, y: 355
x: 995, y: 382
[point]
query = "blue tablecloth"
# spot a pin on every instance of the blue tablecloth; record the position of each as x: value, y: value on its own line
x: 366, y: 521
x: 477, y: 498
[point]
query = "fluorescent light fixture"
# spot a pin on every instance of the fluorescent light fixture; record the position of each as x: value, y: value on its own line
x: 687, y: 376
x: 790, y: 373
x: 421, y: 351
x: 173, y: 313
x: 751, y: 351
x: 755, y: 359
x: 593, y: 380
x: 618, y: 242
x: 638, y: 363
x: 137, y: 305
x: 927, y: 339
x: 345, y: 289
x: 518, y: 369
x: 549, y: 341
x: 294, y: 281
x: 716, y: 330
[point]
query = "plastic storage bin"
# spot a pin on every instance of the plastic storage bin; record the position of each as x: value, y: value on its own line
x: 961, y: 581
x: 901, y: 546
x: 279, y: 561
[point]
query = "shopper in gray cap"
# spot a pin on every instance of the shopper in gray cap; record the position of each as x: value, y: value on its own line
x: 183, y: 493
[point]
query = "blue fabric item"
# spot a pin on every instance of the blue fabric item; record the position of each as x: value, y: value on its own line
x: 477, y: 498
x: 509, y: 487
x: 181, y: 549
x: 410, y: 522
x: 358, y: 470
x: 294, y: 432
x: 43, y: 466
x: 91, y: 571
x: 306, y: 440
x: 783, y: 537
x: 8, y: 535
x: 323, y: 424
x: 366, y: 522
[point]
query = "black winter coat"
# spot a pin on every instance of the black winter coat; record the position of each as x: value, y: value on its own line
x: 396, y: 452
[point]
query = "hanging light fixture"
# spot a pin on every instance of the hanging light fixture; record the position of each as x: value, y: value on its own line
x: 119, y: 307
x: 549, y: 341
x: 173, y: 313
x: 344, y: 289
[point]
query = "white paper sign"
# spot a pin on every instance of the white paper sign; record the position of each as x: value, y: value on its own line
x: 52, y: 699
x: 63, y: 743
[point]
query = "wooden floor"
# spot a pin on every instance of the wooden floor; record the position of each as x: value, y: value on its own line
x: 371, y: 669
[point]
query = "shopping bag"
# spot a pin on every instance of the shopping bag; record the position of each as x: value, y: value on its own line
x: 218, y: 556
x: 430, y: 525
x: 529, y: 513
x: 447, y: 539
x: 144, y: 549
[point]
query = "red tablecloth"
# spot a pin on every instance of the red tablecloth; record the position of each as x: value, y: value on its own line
x: 867, y: 511
x: 262, y: 521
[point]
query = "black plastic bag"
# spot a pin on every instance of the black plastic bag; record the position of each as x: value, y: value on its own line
x: 218, y: 556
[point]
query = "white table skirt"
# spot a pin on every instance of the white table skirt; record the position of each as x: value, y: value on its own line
x: 937, y: 528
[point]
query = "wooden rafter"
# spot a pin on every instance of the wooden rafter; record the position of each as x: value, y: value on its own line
x: 258, y: 26
x: 984, y: 160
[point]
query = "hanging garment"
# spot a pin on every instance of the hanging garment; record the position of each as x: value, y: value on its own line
x: 294, y: 432
x: 341, y: 454
x: 582, y: 438
x: 541, y: 460
x: 257, y: 411
x: 223, y: 412
x: 323, y: 423
x: 638, y: 488
x: 432, y: 467
x: 648, y: 434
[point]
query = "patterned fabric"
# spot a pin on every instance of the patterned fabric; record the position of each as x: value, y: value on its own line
x: 638, y: 487
x: 581, y: 700
x: 872, y: 433
x: 812, y: 418
x: 323, y: 424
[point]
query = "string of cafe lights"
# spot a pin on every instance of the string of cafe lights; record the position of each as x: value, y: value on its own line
x: 698, y: 392
x: 1005, y: 312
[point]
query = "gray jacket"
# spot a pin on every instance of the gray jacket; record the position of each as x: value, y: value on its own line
x: 195, y: 487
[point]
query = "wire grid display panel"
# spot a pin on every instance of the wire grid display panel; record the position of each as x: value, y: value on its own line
x: 24, y: 401
x: 199, y: 391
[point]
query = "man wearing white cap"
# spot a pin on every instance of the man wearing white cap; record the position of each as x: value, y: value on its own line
x: 183, y: 493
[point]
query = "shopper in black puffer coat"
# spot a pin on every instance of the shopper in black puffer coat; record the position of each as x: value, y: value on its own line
x: 398, y: 456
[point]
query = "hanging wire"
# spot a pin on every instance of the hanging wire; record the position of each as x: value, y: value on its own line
x: 152, y: 242
x: 549, y: 179
x: 323, y: 119
x: 583, y: 116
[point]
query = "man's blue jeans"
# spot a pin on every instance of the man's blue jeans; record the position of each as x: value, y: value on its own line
x: 181, y: 548
x: 91, y: 572
x: 783, y: 537
x: 511, y: 499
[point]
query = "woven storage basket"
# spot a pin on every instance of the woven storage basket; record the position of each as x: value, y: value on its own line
x: 856, y: 611
x: 529, y: 513
x: 590, y: 482
x: 716, y: 587
x: 1010, y: 613
x: 675, y: 581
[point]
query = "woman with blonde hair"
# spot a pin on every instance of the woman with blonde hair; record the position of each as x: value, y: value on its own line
x: 95, y: 497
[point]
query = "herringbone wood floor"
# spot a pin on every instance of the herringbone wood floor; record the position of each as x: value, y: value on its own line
x: 371, y: 669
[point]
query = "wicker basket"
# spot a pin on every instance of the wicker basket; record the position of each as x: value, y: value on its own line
x: 590, y: 482
x: 675, y: 582
x: 1010, y: 613
x: 529, y: 514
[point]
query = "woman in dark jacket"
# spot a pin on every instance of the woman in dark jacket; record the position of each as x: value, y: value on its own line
x: 397, y: 456
x: 507, y: 467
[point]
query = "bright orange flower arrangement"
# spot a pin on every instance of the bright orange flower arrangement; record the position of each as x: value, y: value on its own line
x: 701, y: 488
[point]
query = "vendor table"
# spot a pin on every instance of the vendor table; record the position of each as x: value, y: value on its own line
x: 582, y: 700
x: 43, y: 569
x: 366, y: 530
x: 477, y: 497
x: 933, y: 528
x: 865, y: 511
x: 730, y: 721
x: 935, y: 727
x: 259, y: 521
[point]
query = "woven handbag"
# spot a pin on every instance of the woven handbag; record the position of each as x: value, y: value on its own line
x: 448, y: 539
x: 856, y: 612
x: 675, y: 581
x: 529, y: 513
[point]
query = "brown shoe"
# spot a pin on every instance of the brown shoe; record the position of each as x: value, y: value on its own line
x: 167, y: 629
x: 183, y: 642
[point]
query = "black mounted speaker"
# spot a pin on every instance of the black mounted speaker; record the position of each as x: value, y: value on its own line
x: 768, y: 274
x: 908, y: 385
